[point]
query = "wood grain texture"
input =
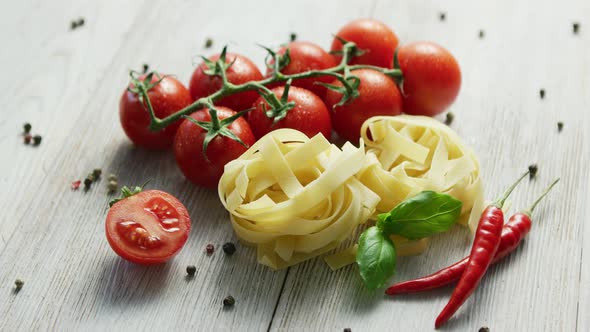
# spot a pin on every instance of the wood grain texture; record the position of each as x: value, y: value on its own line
x: 67, y: 84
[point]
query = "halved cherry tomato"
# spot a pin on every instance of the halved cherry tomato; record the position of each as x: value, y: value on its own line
x: 375, y: 38
x: 148, y: 228
x: 306, y: 56
x: 241, y: 71
x: 167, y: 97
x: 379, y: 95
x: 188, y: 147
x: 432, y: 78
x: 310, y: 115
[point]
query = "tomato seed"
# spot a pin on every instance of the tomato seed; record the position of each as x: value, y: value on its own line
x: 191, y: 270
x: 210, y: 248
x: 229, y: 248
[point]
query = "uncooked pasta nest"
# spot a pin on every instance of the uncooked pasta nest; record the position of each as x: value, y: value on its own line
x: 409, y: 154
x: 295, y: 198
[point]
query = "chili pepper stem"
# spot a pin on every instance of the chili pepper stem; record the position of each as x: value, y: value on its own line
x: 500, y: 201
x: 529, y: 210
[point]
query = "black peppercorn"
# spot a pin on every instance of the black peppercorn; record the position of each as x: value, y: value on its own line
x: 97, y: 172
x: 208, y: 43
x: 18, y: 284
x: 229, y: 248
x: 442, y: 16
x: 576, y: 27
x: 229, y: 301
x: 348, y: 329
x: 293, y: 36
x: 87, y: 183
x: 191, y: 270
x: 145, y: 67
x: 27, y: 128
x: 559, y: 126
x: 533, y: 171
x: 36, y: 140
x: 484, y: 329
x: 542, y: 93
x: 481, y: 34
x: 449, y: 118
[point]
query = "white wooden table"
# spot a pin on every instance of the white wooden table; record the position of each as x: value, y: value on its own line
x: 68, y: 83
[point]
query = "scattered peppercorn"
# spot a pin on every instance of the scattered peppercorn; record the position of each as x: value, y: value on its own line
x: 293, y: 36
x: 481, y: 34
x: 97, y: 172
x: 576, y: 27
x: 87, y: 183
x: 484, y: 329
x: 449, y: 119
x: 18, y: 284
x: 542, y: 93
x: 191, y: 270
x: 112, y: 186
x: 112, y: 177
x: 76, y: 184
x: 77, y: 23
x: 145, y: 67
x: 442, y: 16
x: 27, y: 139
x: 91, y: 177
x: 208, y: 43
x: 347, y: 329
x: 36, y: 140
x: 229, y: 248
x: 27, y: 128
x: 229, y: 301
x: 559, y: 126
x: 81, y: 21
x: 533, y: 171
x: 210, y: 248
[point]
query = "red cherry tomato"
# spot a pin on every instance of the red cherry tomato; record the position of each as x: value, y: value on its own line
x: 306, y: 56
x: 379, y: 95
x: 310, y: 115
x: 241, y: 71
x: 148, y: 228
x: 373, y: 37
x: 167, y: 97
x: 432, y: 78
x: 188, y: 147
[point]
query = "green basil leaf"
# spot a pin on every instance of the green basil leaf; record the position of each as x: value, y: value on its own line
x: 375, y: 257
x: 421, y: 216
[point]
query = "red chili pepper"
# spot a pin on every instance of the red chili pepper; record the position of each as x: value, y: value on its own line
x: 484, y: 248
x: 517, y: 227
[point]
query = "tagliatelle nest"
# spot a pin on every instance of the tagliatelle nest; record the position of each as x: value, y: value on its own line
x: 409, y: 154
x: 294, y: 197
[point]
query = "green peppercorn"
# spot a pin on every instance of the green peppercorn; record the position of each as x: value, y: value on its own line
x: 27, y: 128
x: 112, y: 186
x: 97, y: 172
x: 449, y: 118
x: 208, y: 43
x: 36, y: 140
x: 18, y: 284
x: 191, y: 270
x: 229, y: 301
x: 229, y: 248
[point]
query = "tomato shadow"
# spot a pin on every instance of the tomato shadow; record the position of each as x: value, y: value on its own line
x: 122, y: 283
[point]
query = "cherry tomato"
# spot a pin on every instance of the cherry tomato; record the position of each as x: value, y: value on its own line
x: 379, y: 95
x: 167, y: 97
x: 310, y: 115
x: 188, y: 147
x: 148, y: 228
x: 373, y: 37
x: 432, y: 78
x: 241, y: 71
x: 306, y: 56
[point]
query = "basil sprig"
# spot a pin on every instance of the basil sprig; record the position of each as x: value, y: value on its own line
x: 418, y: 217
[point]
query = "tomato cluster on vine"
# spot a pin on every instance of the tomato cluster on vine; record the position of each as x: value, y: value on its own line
x: 230, y: 103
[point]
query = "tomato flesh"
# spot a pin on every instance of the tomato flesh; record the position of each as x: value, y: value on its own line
x: 148, y: 228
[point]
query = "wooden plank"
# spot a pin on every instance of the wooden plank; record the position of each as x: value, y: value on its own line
x: 499, y: 113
